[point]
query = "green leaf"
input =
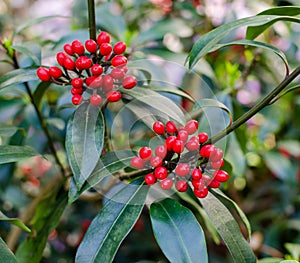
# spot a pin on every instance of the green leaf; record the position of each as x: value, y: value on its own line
x: 14, y: 221
x: 46, y: 218
x: 7, y: 130
x: 84, y: 141
x: 228, y: 229
x: 178, y: 232
x: 39, y: 93
x: 6, y: 255
x: 12, y: 153
x: 252, y: 43
x: 17, y: 76
x: 177, y: 26
x: 208, y: 41
x: 270, y: 260
x: 172, y: 90
x: 230, y: 203
x: 112, y: 225
x: 108, y: 164
x: 26, y: 51
x: 284, y: 13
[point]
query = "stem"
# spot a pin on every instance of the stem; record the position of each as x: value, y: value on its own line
x: 92, y: 19
x: 256, y: 108
x: 42, y: 121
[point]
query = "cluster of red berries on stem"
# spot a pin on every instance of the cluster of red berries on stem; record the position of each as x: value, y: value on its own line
x: 184, y: 159
x: 96, y: 67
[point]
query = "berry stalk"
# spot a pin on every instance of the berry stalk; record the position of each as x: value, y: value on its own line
x: 92, y: 19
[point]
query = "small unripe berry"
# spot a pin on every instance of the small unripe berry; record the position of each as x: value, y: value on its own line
x: 76, y: 99
x: 91, y: 46
x: 171, y: 127
x: 145, y: 153
x: 119, y: 48
x: 191, y: 126
x: 113, y: 96
x: 103, y: 37
x: 96, y: 100
x: 129, y: 82
x: 181, y: 186
x: 137, y: 162
x: 161, y: 172
x: 55, y: 72
x: 43, y: 74
x: 166, y: 184
x: 150, y: 179
x: 158, y: 127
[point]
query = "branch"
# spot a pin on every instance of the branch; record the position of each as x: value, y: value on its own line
x: 92, y: 19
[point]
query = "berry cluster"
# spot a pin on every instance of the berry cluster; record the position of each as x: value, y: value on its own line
x: 96, y: 67
x: 184, y: 157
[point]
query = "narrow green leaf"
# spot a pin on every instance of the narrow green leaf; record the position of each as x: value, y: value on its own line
x: 208, y: 41
x: 24, y: 50
x: 7, y: 130
x: 270, y: 260
x: 230, y: 203
x: 108, y: 164
x: 178, y: 232
x: 283, y: 13
x: 39, y: 92
x: 17, y: 76
x: 6, y: 255
x: 112, y: 225
x: 12, y: 153
x: 14, y: 221
x: 84, y: 141
x: 172, y: 90
x: 228, y: 229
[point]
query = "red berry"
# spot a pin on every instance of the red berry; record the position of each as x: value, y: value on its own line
x: 198, y: 184
x: 55, y: 72
x: 91, y: 46
x: 221, y: 176
x: 76, y: 99
x: 137, y: 162
x: 96, y: 82
x: 203, y: 137
x: 156, y: 161
x: 196, y: 174
x: 129, y: 82
x: 201, y: 193
x: 43, y: 74
x: 108, y: 83
x: 145, y: 153
x: 60, y: 57
x: 96, y: 69
x: 169, y: 142
x: 166, y: 184
x: 183, y: 135
x: 119, y: 48
x: 181, y: 186
x: 214, y: 184
x: 75, y: 91
x: 96, y: 100
x: 207, y: 150
x: 192, y: 145
x: 217, y: 155
x: 83, y: 62
x: 69, y: 63
x: 191, y: 126
x: 178, y: 146
x: 161, y: 151
x: 171, y: 127
x: 118, y: 61
x: 90, y: 80
x: 103, y: 37
x: 68, y: 49
x: 182, y: 169
x: 158, y: 127
x: 161, y: 172
x: 117, y: 73
x: 77, y: 82
x: 78, y: 47
x: 150, y: 179
x: 217, y: 164
x: 113, y: 96
x: 105, y: 49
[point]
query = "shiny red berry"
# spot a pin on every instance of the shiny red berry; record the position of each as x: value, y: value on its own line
x: 119, y: 48
x: 182, y: 169
x: 113, y: 96
x: 68, y: 49
x: 217, y: 155
x: 83, y: 62
x: 171, y: 127
x: 103, y: 37
x: 161, y: 172
x: 137, y: 162
x: 201, y: 193
x: 129, y: 82
x: 207, y: 150
x: 196, y: 174
x: 191, y: 126
x: 118, y: 61
x: 192, y: 145
x: 43, y: 74
x: 166, y: 184
x: 145, y: 153
x: 55, y: 72
x: 76, y: 99
x: 183, y: 135
x: 69, y: 63
x: 91, y: 46
x: 77, y: 82
x: 156, y: 161
x: 161, y: 151
x: 198, y: 183
x: 169, y: 142
x: 96, y: 100
x: 60, y: 57
x: 181, y: 186
x: 214, y: 184
x: 150, y: 179
x: 178, y: 146
x: 221, y: 176
x: 78, y: 47
x: 105, y: 49
x: 96, y: 69
x: 108, y: 83
x: 117, y: 73
x: 217, y: 164
x: 158, y: 127
x: 75, y: 91
x: 203, y: 137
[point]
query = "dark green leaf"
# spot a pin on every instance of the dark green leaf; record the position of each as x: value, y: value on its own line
x: 178, y: 232
x: 112, y: 225
x: 6, y: 255
x: 26, y: 51
x: 209, y: 40
x: 14, y: 221
x: 39, y: 92
x: 12, y: 153
x: 17, y: 76
x: 84, y: 141
x: 284, y: 13
x: 228, y: 229
x: 108, y: 164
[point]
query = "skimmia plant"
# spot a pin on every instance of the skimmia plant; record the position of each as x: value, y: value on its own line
x: 113, y: 95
